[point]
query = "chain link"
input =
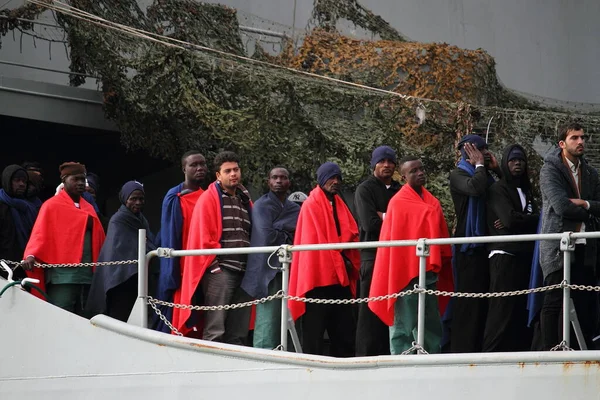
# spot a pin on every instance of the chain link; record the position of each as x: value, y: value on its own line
x: 494, y: 294
x: 164, y: 319
x: 585, y: 287
x: 561, y: 346
x: 415, y: 346
x: 416, y: 290
x: 278, y: 295
x: 76, y: 265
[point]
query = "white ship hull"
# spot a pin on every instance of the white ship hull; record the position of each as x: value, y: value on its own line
x: 47, y: 353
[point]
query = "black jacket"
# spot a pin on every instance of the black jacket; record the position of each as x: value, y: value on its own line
x: 371, y: 197
x: 504, y: 203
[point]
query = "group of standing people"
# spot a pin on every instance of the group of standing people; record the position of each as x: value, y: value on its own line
x: 496, y: 199
x: 490, y: 198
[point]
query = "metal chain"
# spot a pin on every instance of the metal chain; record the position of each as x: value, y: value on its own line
x: 416, y: 290
x: 75, y: 265
x: 585, y: 287
x: 164, y: 319
x: 415, y: 346
x: 278, y: 295
x: 494, y: 294
x: 561, y: 346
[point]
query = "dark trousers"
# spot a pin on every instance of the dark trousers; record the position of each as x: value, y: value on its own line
x: 585, y: 303
x: 227, y: 326
x: 337, y: 320
x: 121, y: 299
x: 469, y: 315
x: 372, y: 335
x: 506, y: 326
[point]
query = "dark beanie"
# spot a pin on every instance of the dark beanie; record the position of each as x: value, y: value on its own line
x: 381, y: 153
x: 129, y: 188
x: 92, y: 180
x: 327, y: 171
x: 516, y: 153
x: 477, y: 140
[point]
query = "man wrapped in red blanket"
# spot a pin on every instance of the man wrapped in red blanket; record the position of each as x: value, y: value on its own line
x: 412, y: 213
x: 328, y: 274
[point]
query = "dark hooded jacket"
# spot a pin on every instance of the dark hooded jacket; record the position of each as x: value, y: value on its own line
x: 504, y: 203
x: 17, y: 216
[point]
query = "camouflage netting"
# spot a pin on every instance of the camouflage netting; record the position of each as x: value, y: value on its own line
x: 167, y: 99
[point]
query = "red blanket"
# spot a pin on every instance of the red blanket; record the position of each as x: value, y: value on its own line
x: 188, y: 202
x: 409, y: 217
x: 58, y: 233
x: 205, y: 232
x: 311, y: 269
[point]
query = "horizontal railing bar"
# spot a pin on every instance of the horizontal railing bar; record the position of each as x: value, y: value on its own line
x: 370, y: 245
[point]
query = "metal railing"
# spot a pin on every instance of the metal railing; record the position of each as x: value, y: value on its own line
x: 567, y: 246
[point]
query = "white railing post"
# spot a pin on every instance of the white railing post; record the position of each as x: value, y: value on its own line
x: 285, y: 258
x: 567, y: 246
x: 142, y: 278
x: 422, y: 252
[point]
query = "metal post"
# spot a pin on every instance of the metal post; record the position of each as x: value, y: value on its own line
x: 567, y: 247
x: 422, y: 253
x: 142, y: 278
x: 285, y: 257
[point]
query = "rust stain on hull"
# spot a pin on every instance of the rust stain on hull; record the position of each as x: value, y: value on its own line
x: 568, y: 365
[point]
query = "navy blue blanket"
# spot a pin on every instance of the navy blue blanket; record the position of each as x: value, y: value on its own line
x: 273, y: 224
x: 120, y: 244
x: 536, y: 279
x: 171, y: 231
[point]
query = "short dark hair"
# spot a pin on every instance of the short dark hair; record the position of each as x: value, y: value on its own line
x: 223, y: 157
x: 564, y: 129
x: 406, y: 159
x: 278, y: 167
x: 187, y: 154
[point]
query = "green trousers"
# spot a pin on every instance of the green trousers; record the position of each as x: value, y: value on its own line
x: 69, y: 296
x: 404, y: 330
x: 267, y: 327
